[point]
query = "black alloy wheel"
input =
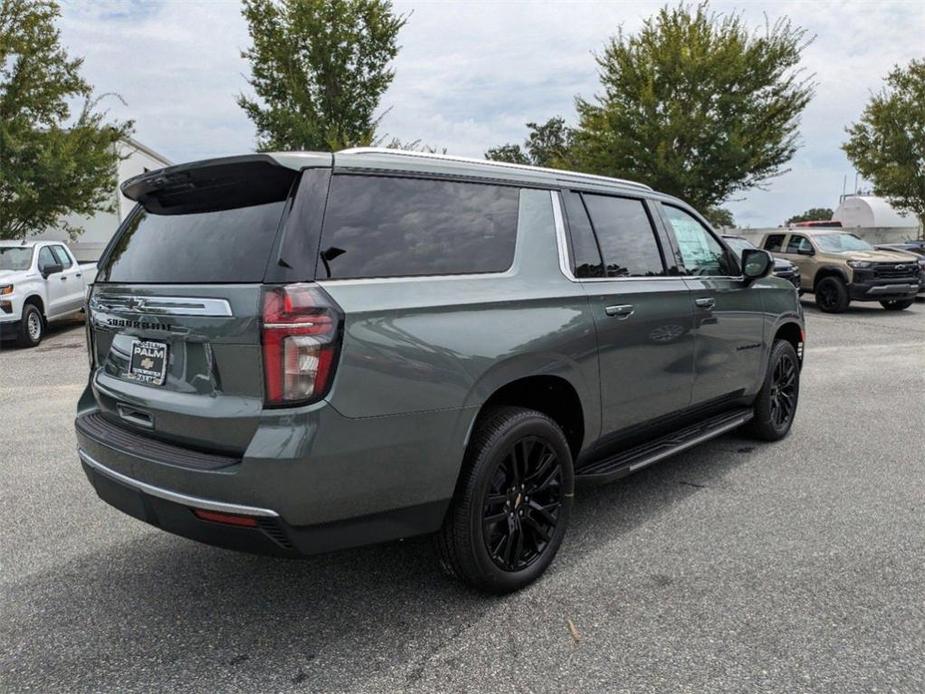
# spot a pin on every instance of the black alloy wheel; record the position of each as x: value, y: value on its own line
x: 897, y: 304
x: 783, y: 393
x: 776, y: 402
x: 522, y: 506
x: 831, y: 295
x: 512, y: 503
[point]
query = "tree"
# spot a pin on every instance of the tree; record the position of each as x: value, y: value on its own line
x: 411, y: 146
x: 719, y: 217
x: 887, y: 145
x: 50, y: 164
x: 813, y: 214
x: 695, y: 105
x: 513, y: 154
x: 319, y: 69
x: 548, y: 145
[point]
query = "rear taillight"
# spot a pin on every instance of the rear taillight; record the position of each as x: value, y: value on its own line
x: 301, y: 337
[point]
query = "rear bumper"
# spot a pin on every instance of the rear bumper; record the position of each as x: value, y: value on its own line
x: 174, y: 513
x: 351, y: 482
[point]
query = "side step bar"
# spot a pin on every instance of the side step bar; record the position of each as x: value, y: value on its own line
x: 644, y: 454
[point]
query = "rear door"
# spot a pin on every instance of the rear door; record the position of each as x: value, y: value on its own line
x: 175, y: 310
x: 642, y: 313
x: 728, y: 318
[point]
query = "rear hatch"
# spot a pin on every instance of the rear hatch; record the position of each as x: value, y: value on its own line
x: 175, y: 313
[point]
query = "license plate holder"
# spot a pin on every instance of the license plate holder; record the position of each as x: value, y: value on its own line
x: 148, y: 362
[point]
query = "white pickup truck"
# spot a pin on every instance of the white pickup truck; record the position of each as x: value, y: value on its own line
x: 40, y: 281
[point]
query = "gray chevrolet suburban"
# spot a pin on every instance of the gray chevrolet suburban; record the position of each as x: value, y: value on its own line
x: 292, y: 353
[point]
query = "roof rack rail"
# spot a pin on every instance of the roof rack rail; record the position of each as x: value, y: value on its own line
x: 560, y: 173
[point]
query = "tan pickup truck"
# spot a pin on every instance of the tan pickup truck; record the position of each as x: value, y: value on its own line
x: 839, y: 267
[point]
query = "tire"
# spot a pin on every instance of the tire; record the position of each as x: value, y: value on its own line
x: 832, y: 295
x: 31, y: 326
x: 495, y: 537
x: 897, y: 304
x: 776, y: 404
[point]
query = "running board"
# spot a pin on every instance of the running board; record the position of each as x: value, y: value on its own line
x: 644, y: 454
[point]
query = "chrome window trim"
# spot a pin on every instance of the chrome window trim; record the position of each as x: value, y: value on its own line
x: 401, y: 279
x: 565, y: 262
x: 176, y: 497
x: 164, y: 305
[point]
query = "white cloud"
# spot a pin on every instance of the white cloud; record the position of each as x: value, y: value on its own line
x: 470, y: 74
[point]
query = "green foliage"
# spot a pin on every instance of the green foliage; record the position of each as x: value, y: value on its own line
x: 50, y: 164
x: 319, y: 69
x: 695, y: 105
x: 512, y: 154
x: 813, y: 214
x: 719, y: 217
x: 887, y: 145
x: 548, y: 145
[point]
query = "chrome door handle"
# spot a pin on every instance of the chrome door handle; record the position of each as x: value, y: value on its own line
x: 707, y: 303
x: 622, y: 312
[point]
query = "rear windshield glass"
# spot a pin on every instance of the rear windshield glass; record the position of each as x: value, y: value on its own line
x: 378, y: 226
x: 209, y: 247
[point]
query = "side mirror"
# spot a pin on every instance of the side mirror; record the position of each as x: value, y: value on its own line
x: 756, y: 264
x: 805, y: 251
x: 51, y: 269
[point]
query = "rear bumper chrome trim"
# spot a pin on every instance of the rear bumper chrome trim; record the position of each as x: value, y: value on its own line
x: 175, y: 497
x: 163, y: 305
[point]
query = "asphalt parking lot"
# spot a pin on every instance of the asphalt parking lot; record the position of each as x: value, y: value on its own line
x: 796, y: 566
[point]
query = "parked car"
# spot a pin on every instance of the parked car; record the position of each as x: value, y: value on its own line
x: 839, y: 267
x: 917, y: 248
x: 40, y: 281
x: 292, y: 353
x: 782, y: 268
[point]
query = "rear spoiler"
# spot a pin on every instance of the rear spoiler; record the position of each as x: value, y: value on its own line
x: 212, y: 184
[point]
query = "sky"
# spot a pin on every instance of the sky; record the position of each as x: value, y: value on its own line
x: 471, y: 74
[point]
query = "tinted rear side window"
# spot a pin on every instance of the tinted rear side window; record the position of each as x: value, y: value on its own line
x: 231, y: 245
x: 626, y: 236
x: 378, y: 226
x: 586, y: 256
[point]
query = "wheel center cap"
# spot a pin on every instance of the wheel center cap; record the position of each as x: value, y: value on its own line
x: 517, y: 500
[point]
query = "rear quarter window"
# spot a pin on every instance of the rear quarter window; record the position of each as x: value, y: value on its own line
x: 378, y: 226
x: 224, y: 246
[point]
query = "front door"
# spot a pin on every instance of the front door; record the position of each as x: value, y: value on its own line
x: 799, y: 251
x: 643, y: 316
x: 55, y: 284
x: 728, y: 318
x: 71, y: 280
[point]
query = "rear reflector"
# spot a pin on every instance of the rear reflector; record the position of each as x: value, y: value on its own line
x: 226, y: 518
x: 301, y: 336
